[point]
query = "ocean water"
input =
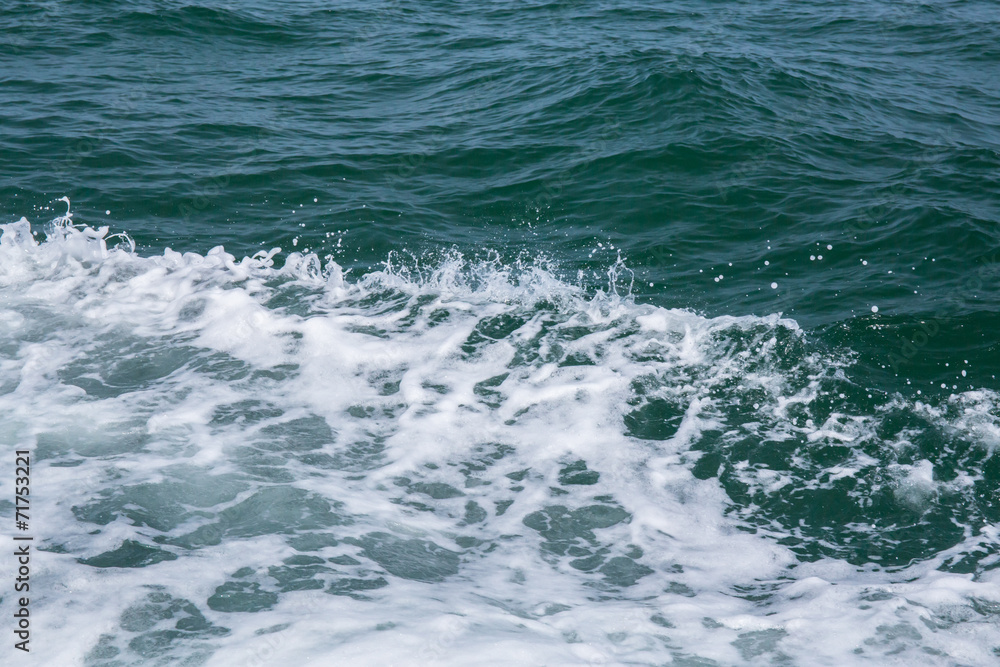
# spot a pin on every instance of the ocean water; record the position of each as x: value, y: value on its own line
x: 514, y: 333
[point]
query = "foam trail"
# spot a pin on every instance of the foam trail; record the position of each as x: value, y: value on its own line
x: 477, y: 464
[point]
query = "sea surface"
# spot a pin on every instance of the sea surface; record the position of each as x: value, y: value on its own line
x: 420, y: 332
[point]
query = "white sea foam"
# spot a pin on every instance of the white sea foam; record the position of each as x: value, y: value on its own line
x: 503, y: 468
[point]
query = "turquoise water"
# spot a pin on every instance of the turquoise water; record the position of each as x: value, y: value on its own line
x: 599, y: 333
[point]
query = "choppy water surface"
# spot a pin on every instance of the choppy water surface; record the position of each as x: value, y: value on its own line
x: 613, y: 333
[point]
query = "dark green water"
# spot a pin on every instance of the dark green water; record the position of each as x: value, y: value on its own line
x: 566, y: 229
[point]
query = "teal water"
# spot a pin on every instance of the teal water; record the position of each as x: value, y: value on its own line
x: 609, y: 333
